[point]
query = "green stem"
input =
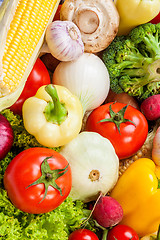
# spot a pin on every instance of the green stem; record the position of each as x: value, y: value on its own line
x: 48, y: 177
x: 105, y: 233
x: 117, y: 118
x: 55, y: 111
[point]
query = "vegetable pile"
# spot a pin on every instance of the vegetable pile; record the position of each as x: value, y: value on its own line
x: 15, y: 224
x: 80, y: 120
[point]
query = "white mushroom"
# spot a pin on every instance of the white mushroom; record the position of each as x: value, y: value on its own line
x: 98, y: 21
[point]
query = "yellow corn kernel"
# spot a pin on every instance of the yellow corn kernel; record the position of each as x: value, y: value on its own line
x: 27, y: 27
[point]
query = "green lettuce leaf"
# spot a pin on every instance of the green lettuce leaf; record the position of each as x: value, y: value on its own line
x: 55, y: 225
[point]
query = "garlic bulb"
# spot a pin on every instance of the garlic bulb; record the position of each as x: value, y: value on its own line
x: 94, y: 165
x: 64, y: 40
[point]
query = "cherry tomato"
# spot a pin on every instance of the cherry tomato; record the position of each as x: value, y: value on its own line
x: 122, y: 232
x: 156, y: 19
x: 38, y: 180
x: 83, y: 234
x: 39, y: 76
x: 131, y: 134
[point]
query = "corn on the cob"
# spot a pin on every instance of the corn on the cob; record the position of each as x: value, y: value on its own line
x: 22, y: 28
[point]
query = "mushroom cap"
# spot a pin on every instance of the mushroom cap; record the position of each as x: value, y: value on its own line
x: 98, y: 21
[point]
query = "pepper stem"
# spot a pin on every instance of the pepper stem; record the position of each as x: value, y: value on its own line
x: 55, y: 111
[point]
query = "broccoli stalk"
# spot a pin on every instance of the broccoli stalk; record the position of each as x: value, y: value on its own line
x: 133, y: 62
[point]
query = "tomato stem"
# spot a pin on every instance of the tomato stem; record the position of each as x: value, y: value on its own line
x: 48, y: 177
x: 117, y: 118
x: 55, y: 111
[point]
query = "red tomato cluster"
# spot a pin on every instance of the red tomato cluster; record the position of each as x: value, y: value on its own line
x: 118, y: 232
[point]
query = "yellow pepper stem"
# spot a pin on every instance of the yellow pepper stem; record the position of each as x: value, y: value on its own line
x: 55, y: 111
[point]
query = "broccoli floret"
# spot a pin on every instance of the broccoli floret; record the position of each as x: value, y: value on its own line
x: 133, y: 62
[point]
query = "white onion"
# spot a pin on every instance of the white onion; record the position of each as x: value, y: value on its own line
x: 87, y: 78
x: 64, y: 40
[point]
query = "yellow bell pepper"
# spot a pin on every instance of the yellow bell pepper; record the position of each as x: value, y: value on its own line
x: 135, y: 12
x: 54, y: 115
x: 139, y: 195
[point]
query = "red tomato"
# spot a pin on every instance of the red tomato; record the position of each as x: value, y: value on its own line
x: 83, y: 234
x: 156, y: 19
x: 122, y: 232
x: 130, y: 138
x: 25, y: 169
x: 38, y: 77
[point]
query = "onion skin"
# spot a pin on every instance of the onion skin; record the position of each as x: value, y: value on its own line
x: 122, y: 98
x: 6, y: 136
x: 87, y: 78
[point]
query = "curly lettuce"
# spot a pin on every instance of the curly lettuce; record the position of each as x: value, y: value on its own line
x: 55, y: 225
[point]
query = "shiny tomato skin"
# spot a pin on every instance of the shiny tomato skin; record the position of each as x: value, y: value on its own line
x: 24, y: 169
x: 38, y: 77
x: 122, y: 232
x: 156, y: 19
x: 83, y: 234
x: 131, y: 137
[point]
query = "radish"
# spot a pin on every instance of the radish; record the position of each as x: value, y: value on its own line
x: 6, y: 136
x: 150, y: 107
x: 107, y: 212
